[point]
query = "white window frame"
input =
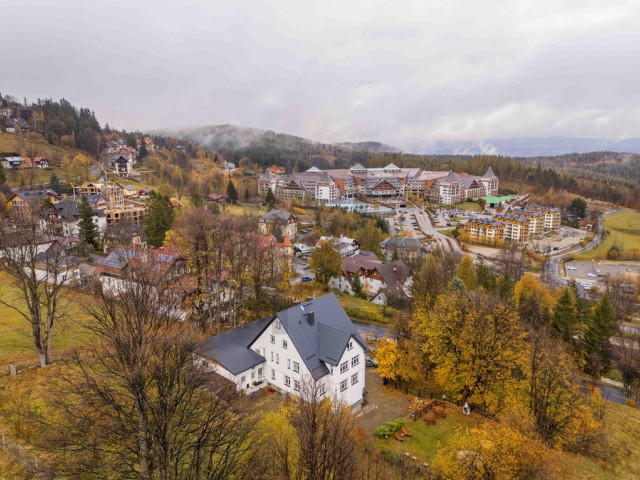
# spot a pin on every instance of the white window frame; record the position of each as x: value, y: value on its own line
x: 285, y: 344
x: 272, y: 355
x: 287, y: 381
x: 344, y: 366
x: 289, y: 363
x: 355, y: 361
x: 350, y: 345
x: 354, y: 378
x: 278, y: 358
x: 343, y: 385
x: 296, y: 385
x: 296, y: 367
x: 278, y: 324
x: 273, y: 374
x: 273, y: 339
x: 323, y: 389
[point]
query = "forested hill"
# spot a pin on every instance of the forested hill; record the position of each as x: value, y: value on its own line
x: 266, y: 147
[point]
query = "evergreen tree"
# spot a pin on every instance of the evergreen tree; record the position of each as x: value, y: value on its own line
x: 270, y: 199
x: 565, y: 316
x: 46, y: 204
x: 3, y: 176
x: 596, y: 338
x: 246, y: 194
x: 143, y: 152
x: 395, y: 256
x: 232, y: 193
x: 356, y: 287
x: 87, y: 229
x: 505, y: 287
x: 54, y: 183
x: 159, y: 218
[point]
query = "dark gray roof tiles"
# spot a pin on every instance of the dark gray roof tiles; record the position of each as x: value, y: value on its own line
x: 317, y: 342
x: 231, y: 348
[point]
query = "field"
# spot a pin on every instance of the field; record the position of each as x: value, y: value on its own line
x: 624, y: 231
x: 472, y: 206
x: 15, y: 331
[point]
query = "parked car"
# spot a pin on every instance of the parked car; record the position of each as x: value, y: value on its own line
x: 592, y: 275
x: 370, y: 362
x: 306, y: 278
x: 571, y: 268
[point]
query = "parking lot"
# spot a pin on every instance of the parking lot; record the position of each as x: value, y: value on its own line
x: 565, y: 238
x: 594, y: 271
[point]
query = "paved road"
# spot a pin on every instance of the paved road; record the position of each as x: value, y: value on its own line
x: 424, y: 221
x: 612, y: 394
x: 371, y: 329
x: 554, y: 262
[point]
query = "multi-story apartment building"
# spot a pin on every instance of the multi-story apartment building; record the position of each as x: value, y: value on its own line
x: 518, y: 225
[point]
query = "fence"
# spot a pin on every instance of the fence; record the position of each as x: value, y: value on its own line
x: 27, y: 459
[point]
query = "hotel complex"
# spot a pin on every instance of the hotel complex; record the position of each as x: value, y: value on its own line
x: 391, y: 181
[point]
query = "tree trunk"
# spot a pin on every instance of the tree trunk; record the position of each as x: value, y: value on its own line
x: 143, y: 448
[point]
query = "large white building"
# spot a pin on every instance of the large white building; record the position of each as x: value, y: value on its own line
x: 311, y: 342
x: 390, y: 181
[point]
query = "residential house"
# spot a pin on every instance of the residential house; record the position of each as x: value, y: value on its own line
x: 64, y: 216
x: 218, y: 197
x: 169, y: 262
x: 130, y: 191
x: 11, y: 124
x: 124, y: 233
x: 274, y: 220
x: 312, y: 343
x: 381, y: 281
x: 26, y: 198
x: 12, y: 163
x: 346, y: 247
x: 407, y: 247
x: 36, y: 162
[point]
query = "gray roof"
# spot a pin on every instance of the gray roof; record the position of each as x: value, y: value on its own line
x: 322, y: 341
x: 34, y: 195
x: 277, y: 215
x: 119, y: 258
x: 231, y: 348
x: 489, y: 173
x: 393, y: 243
x: 357, y: 167
x: 326, y: 339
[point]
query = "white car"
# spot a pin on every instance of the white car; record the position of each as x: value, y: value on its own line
x: 592, y: 275
x: 571, y: 268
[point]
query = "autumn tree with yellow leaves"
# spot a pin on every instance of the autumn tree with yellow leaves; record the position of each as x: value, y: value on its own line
x: 477, y: 348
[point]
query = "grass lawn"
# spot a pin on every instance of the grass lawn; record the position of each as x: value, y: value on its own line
x: 16, y: 344
x: 252, y: 210
x: 472, y: 206
x: 425, y: 439
x: 624, y: 230
x: 359, y: 309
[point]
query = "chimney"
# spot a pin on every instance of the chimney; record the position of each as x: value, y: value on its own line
x: 296, y: 302
x: 309, y: 299
x: 310, y: 318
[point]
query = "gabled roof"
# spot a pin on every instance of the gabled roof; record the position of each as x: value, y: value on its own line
x: 358, y: 168
x: 319, y: 342
x: 391, y: 166
x: 34, y: 195
x: 231, y: 348
x: 314, y: 170
x: 450, y: 176
x: 277, y: 215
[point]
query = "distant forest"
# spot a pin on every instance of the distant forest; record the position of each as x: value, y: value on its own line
x: 607, y: 176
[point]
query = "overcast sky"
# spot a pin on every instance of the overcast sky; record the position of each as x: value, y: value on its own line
x: 404, y: 73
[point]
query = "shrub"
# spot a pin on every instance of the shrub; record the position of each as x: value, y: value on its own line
x: 389, y: 428
x: 439, y: 411
x: 430, y: 419
x: 631, y: 403
x: 392, y: 457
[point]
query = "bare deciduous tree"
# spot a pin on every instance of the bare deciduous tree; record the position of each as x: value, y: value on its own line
x: 138, y: 407
x: 40, y: 265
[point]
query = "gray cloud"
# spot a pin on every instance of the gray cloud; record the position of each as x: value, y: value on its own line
x: 405, y: 73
